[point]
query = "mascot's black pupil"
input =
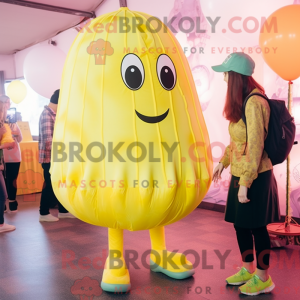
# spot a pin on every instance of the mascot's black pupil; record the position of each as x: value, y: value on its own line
x: 167, y: 77
x: 133, y: 77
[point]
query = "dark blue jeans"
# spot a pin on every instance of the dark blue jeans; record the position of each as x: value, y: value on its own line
x: 3, y: 196
x: 48, y: 197
x: 11, y: 175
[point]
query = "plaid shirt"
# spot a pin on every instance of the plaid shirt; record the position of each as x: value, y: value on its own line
x: 46, y: 127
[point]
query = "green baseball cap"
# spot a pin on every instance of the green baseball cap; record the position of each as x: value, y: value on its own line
x: 238, y: 62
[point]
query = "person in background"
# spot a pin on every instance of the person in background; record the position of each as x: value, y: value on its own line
x: 12, y: 159
x: 6, y: 142
x: 46, y: 127
x: 252, y: 201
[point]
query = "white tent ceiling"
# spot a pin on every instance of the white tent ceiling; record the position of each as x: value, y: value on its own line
x: 21, y: 26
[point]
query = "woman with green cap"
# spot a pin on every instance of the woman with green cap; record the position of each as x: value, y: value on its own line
x: 252, y: 200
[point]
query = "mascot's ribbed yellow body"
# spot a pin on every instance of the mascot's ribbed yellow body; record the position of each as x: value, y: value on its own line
x: 129, y: 109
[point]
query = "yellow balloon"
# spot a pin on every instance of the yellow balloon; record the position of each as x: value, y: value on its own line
x: 126, y: 98
x: 16, y: 91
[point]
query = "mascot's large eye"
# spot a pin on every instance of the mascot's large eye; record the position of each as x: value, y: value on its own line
x: 166, y: 72
x: 132, y: 70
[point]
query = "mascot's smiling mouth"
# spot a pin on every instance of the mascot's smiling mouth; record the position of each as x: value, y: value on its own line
x: 152, y: 119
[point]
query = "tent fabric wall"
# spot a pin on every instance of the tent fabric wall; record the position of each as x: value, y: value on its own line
x: 38, y: 25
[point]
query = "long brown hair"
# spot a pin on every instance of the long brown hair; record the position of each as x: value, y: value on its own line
x: 3, y: 111
x: 3, y: 107
x: 239, y: 87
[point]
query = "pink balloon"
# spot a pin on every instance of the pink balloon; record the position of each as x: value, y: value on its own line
x: 43, y: 68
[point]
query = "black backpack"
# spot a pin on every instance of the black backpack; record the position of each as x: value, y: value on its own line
x: 281, y: 130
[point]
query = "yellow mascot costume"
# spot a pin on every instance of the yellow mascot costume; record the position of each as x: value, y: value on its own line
x: 130, y: 147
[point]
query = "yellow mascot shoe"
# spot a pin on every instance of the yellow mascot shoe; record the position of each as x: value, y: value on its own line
x: 115, y: 279
x: 172, y: 264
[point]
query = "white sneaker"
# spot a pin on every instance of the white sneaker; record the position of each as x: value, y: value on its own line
x: 66, y: 216
x: 6, y: 227
x: 48, y: 218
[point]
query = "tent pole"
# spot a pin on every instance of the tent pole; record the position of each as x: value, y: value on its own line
x: 53, y: 8
x: 288, y: 213
x: 123, y: 3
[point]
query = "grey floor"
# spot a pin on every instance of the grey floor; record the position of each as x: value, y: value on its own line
x: 33, y: 264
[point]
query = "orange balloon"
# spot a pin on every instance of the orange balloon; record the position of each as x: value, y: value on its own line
x: 280, y: 43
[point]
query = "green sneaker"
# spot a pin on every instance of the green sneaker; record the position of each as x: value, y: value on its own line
x: 255, y: 286
x: 240, y: 277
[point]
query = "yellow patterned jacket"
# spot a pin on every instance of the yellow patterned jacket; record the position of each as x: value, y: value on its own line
x: 256, y: 159
x: 5, y: 134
